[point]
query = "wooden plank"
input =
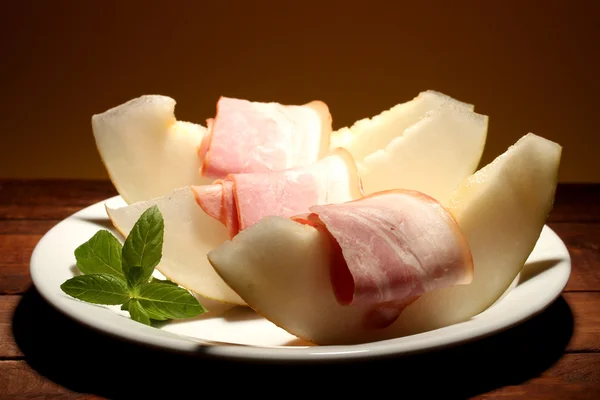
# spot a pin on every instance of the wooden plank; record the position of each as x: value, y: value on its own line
x: 50, y: 199
x: 576, y: 202
x: 530, y: 355
x: 8, y: 346
x: 572, y: 323
x: 573, y: 377
x: 24, y: 226
x: 585, y: 307
x: 583, y: 242
x: 14, y: 211
x: 19, y: 380
x: 57, y: 199
x: 15, y: 254
x: 54, y: 191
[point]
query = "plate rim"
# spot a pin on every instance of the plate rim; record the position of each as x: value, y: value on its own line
x: 147, y: 336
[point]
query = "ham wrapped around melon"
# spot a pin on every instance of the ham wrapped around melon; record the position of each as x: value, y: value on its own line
x: 344, y: 272
x: 241, y: 200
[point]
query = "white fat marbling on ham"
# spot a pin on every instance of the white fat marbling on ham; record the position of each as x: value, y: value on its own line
x: 246, y: 198
x: 250, y: 136
x: 396, y: 246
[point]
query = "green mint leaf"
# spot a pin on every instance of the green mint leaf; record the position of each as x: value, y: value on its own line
x: 100, y: 255
x: 156, y: 280
x: 169, y: 301
x: 125, y: 306
x: 97, y: 288
x: 154, y: 315
x: 138, y: 313
x: 143, y: 246
x: 135, y: 278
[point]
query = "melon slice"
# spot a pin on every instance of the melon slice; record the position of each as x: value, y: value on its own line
x: 190, y: 233
x: 281, y: 267
x: 145, y: 150
x: 429, y: 144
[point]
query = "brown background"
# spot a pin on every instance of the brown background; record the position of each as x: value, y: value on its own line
x: 531, y: 66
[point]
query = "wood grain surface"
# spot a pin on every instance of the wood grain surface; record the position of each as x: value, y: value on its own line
x: 44, y: 354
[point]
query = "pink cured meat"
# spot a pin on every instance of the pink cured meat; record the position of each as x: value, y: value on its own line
x: 250, y: 136
x: 247, y: 198
x: 396, y: 246
x: 210, y: 199
x: 230, y: 217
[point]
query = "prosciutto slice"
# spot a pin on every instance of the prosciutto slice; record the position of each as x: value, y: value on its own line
x: 250, y: 136
x: 241, y: 200
x: 391, y: 247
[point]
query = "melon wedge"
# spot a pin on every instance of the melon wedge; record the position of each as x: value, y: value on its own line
x: 145, y: 150
x: 281, y: 267
x: 189, y: 234
x: 429, y: 144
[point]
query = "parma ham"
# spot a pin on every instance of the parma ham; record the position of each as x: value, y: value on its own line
x: 248, y: 136
x: 395, y: 246
x: 241, y: 200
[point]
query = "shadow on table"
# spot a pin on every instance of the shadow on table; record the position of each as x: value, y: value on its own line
x: 86, y: 361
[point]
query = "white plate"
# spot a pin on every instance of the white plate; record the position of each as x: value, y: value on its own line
x: 242, y: 334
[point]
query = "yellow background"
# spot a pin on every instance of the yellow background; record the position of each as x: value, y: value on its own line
x: 531, y: 66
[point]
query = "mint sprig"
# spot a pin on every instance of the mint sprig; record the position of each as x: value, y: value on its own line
x: 115, y: 274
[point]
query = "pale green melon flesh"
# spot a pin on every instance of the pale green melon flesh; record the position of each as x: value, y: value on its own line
x: 189, y: 235
x: 429, y: 144
x: 146, y: 151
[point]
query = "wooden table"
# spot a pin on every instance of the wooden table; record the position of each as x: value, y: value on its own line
x: 44, y: 354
